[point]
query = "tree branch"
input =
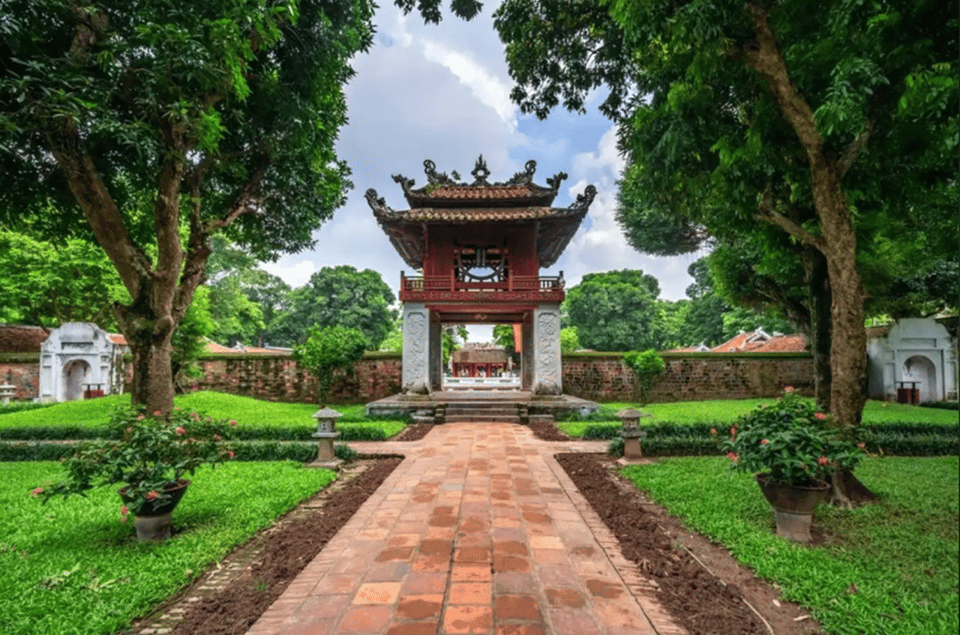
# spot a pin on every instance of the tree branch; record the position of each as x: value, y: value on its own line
x: 853, y: 151
x: 95, y: 202
x: 767, y: 212
x: 241, y: 204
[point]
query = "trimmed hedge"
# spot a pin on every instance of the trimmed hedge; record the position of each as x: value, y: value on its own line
x: 244, y: 451
x: 20, y: 406
x: 373, y: 431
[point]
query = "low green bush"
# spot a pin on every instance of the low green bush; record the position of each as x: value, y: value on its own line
x: 942, y: 405
x: 349, y: 431
x: 21, y: 406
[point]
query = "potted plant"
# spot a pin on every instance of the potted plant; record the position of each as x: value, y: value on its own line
x: 793, y: 450
x: 148, y: 455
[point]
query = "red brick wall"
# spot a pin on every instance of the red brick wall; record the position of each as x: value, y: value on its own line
x: 280, y: 379
x: 690, y: 377
x: 21, y: 370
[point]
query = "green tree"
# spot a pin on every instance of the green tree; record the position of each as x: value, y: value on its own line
x: 244, y: 298
x: 818, y: 123
x: 341, y: 296
x: 161, y: 123
x: 646, y: 366
x: 328, y: 353
x: 569, y: 340
x: 47, y: 284
x: 189, y: 340
x: 615, y: 310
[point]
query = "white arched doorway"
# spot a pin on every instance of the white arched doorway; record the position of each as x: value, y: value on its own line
x: 921, y: 369
x: 75, y: 375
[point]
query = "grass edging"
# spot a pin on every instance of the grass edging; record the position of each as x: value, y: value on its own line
x: 889, y: 567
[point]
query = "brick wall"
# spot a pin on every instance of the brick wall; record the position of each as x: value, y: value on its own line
x: 690, y: 376
x: 601, y: 376
x: 278, y: 378
x: 21, y: 370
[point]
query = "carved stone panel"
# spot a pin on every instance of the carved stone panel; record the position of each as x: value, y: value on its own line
x: 546, y: 345
x: 416, y: 348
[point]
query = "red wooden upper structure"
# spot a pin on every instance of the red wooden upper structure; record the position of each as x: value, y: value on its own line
x: 481, y: 245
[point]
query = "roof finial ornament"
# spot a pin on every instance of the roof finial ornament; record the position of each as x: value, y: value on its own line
x: 583, y: 200
x: 376, y: 202
x: 405, y: 183
x: 525, y: 177
x: 555, y: 181
x: 480, y: 172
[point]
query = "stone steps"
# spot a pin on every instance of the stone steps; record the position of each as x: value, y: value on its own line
x: 476, y: 412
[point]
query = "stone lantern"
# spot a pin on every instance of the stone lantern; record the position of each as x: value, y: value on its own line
x: 7, y: 392
x: 631, y: 433
x: 326, y: 433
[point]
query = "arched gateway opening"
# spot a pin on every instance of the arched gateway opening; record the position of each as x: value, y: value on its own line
x: 480, y: 247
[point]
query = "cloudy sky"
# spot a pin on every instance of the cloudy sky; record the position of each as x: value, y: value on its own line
x: 442, y: 93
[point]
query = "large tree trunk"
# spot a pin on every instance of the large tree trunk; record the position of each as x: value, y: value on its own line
x: 149, y: 341
x: 819, y: 302
x: 837, y: 241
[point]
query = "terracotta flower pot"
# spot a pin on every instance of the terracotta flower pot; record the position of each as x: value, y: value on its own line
x: 154, y: 518
x: 793, y: 505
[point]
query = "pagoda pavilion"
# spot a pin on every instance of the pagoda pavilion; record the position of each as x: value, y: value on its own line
x: 480, y: 247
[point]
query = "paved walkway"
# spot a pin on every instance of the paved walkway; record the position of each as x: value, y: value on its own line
x: 479, y: 530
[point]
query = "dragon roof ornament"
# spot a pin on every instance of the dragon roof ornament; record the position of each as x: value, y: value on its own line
x: 480, y: 173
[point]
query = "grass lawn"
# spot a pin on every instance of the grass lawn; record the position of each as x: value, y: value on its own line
x: 727, y: 411
x: 885, y: 568
x: 71, y: 566
x: 247, y: 411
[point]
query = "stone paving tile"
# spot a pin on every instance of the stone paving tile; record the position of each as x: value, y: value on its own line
x: 479, y: 530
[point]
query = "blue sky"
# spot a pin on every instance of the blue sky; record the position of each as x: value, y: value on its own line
x: 442, y: 93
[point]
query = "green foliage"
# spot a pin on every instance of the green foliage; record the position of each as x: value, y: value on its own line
x: 646, y: 366
x: 244, y: 298
x: 344, y: 452
x: 48, y: 283
x: 21, y: 406
x: 337, y: 296
x: 792, y: 442
x: 189, y: 340
x: 569, y: 340
x: 329, y: 352
x: 70, y: 568
x: 146, y: 453
x: 901, y: 553
x: 615, y: 310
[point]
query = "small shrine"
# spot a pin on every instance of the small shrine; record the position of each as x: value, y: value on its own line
x: 80, y: 360
x: 480, y: 247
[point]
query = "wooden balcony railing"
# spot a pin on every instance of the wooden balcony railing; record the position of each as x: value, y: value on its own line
x: 542, y: 284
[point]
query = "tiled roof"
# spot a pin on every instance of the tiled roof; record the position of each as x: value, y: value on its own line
x: 17, y: 338
x: 759, y: 342
x: 117, y: 339
x: 467, y: 192
x: 782, y: 344
x: 477, y: 214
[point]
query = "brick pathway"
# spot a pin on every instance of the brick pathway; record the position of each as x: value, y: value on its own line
x: 478, y: 531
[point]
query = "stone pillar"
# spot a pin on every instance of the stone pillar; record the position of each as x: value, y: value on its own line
x: 546, y: 350
x: 527, y: 361
x: 436, y: 356
x: 416, y: 348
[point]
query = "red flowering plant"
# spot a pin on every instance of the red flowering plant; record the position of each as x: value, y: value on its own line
x: 147, y: 453
x: 792, y: 442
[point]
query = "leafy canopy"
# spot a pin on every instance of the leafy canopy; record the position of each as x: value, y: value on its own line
x: 615, y: 310
x: 328, y: 353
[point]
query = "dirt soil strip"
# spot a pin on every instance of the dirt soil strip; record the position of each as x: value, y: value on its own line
x: 698, y: 583
x: 229, y: 599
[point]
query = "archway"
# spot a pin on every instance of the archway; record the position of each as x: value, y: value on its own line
x: 921, y: 369
x: 75, y: 374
